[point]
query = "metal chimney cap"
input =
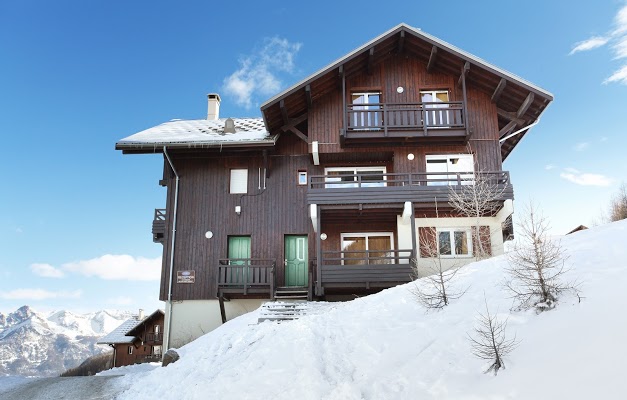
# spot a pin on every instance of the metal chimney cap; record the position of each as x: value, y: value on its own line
x: 229, y: 125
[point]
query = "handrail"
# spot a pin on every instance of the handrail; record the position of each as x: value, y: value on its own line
x: 159, y: 214
x: 246, y: 273
x: 406, y: 179
x: 368, y: 258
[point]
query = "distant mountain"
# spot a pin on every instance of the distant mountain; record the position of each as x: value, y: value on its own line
x: 39, y: 344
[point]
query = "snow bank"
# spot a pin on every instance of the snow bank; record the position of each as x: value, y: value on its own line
x: 387, y: 346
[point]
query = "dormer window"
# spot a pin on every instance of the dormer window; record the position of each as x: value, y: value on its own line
x: 366, y: 110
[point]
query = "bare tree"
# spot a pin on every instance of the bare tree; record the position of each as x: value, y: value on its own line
x: 489, y: 342
x: 618, y: 206
x: 436, y: 289
x: 479, y: 194
x: 537, y: 264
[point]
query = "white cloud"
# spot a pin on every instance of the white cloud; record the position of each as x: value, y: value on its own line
x: 589, y: 44
x: 549, y: 167
x: 619, y: 76
x: 118, y: 267
x: 617, y: 38
x: 586, y: 179
x: 258, y: 72
x: 46, y: 270
x: 39, y: 294
x: 581, y: 146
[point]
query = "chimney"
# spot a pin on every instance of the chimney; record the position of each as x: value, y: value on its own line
x: 229, y: 126
x: 140, y: 315
x: 213, y: 109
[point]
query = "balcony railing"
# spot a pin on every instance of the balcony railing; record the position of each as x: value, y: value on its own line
x: 399, y: 187
x: 154, y: 337
x: 148, y: 358
x: 158, y: 226
x: 246, y: 276
x: 369, y: 268
x: 405, y: 119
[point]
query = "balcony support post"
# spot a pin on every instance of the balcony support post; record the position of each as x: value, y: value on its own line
x: 465, y: 70
x: 319, y: 290
x: 414, y: 241
x: 344, y: 108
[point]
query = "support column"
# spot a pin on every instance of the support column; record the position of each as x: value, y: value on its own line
x: 414, y: 241
x: 319, y: 289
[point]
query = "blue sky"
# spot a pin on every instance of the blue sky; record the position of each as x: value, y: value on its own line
x: 77, y: 76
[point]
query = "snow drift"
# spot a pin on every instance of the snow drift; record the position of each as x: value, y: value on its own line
x: 387, y: 346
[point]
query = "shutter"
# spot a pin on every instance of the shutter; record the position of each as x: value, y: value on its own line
x: 239, y: 181
x: 486, y: 241
x: 427, y: 242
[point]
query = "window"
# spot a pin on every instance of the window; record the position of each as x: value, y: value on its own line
x: 350, y: 177
x: 366, y: 112
x: 443, y: 169
x: 130, y: 349
x: 157, y: 328
x: 239, y: 181
x: 434, y: 99
x: 367, y: 248
x: 454, y: 242
x: 302, y: 177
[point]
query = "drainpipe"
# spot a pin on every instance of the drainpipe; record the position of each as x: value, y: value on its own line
x: 176, y: 202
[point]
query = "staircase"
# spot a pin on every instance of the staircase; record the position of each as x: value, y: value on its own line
x: 291, y: 293
x: 282, y: 310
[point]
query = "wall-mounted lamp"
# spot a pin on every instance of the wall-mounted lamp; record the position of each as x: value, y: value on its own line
x: 238, y: 210
x: 410, y: 156
x: 323, y: 236
x: 209, y: 234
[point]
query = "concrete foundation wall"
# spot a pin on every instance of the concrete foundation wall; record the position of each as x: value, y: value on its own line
x: 194, y: 318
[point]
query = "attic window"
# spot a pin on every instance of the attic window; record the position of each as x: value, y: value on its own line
x: 239, y: 181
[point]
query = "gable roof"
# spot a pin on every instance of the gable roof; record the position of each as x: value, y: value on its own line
x: 509, y: 96
x: 118, y: 335
x: 135, y: 331
x: 198, y: 133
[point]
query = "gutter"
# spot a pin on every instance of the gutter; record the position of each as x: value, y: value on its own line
x: 176, y: 201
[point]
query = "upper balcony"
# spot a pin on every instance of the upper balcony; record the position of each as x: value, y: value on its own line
x: 394, y: 188
x: 158, y: 226
x: 390, y: 123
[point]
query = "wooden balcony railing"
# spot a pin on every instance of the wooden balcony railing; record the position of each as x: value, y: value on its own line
x: 372, y: 268
x: 158, y: 226
x: 414, y: 119
x: 154, y: 337
x: 148, y: 358
x: 246, y: 275
x: 399, y: 187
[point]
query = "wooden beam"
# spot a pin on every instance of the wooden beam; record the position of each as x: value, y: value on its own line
x: 499, y: 89
x: 294, y: 121
x: 507, y: 128
x: 283, y: 111
x: 308, y: 96
x: 433, y: 58
x: 300, y: 134
x: 401, y: 42
x: 370, y: 58
x: 222, y: 311
x: 525, y: 105
x: 509, y: 116
x: 341, y: 75
x: 462, y: 77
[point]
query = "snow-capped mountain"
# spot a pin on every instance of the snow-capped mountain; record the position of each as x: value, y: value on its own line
x: 39, y: 344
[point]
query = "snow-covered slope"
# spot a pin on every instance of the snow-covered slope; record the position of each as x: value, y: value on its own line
x: 387, y: 346
x: 38, y: 344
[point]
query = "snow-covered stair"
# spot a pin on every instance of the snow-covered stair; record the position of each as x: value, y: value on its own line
x: 282, y: 310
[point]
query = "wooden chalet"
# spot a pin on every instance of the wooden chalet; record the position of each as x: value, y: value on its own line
x: 137, y: 340
x: 328, y: 194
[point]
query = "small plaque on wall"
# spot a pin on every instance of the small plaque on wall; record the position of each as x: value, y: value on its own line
x: 186, y: 276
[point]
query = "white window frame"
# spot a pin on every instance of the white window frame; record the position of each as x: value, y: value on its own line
x: 366, y: 235
x: 467, y: 178
x: 234, y: 179
x: 130, y: 349
x: 432, y: 114
x: 369, y: 121
x: 355, y: 171
x: 300, y: 175
x: 451, y: 232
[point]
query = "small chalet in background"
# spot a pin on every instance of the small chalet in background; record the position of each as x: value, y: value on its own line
x: 138, y: 340
x: 329, y: 193
x: 577, y: 229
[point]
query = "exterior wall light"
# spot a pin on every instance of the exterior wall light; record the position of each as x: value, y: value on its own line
x: 323, y: 236
x: 238, y: 210
x: 209, y: 234
x: 410, y: 156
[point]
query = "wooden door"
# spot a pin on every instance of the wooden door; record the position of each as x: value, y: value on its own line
x: 296, y: 271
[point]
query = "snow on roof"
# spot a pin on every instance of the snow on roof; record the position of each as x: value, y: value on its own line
x: 199, y: 132
x: 118, y: 335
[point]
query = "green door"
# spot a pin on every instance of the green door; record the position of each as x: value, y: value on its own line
x: 239, y: 247
x: 296, y: 271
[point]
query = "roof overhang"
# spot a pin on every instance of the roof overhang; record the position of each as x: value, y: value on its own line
x: 129, y: 147
x: 520, y: 102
